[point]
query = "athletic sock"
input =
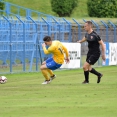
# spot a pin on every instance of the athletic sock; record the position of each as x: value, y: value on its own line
x: 44, y: 72
x: 95, y: 72
x: 50, y: 72
x: 86, y: 74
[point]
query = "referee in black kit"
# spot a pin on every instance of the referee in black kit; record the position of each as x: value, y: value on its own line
x: 94, y: 53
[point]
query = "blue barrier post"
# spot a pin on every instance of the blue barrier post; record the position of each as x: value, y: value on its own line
x: 114, y: 26
x: 84, y: 20
x: 62, y: 27
x: 28, y: 17
x: 69, y: 29
x: 37, y: 45
x: 7, y: 10
x: 97, y: 26
x: 79, y: 35
x: 58, y: 25
x: 79, y: 29
x: 28, y: 13
x: 34, y: 23
x: 47, y: 25
x: 106, y: 26
x: 10, y: 25
x: 24, y: 43
x: 18, y: 11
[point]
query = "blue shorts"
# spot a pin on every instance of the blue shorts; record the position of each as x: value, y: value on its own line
x: 51, y: 64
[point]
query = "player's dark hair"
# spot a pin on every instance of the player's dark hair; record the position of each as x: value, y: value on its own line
x: 89, y: 23
x: 47, y: 38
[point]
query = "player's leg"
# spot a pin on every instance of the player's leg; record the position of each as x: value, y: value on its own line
x: 93, y: 60
x: 52, y: 65
x: 48, y: 67
x: 95, y: 72
x: 49, y: 63
x: 86, y: 72
x: 44, y: 63
x: 45, y: 70
x: 45, y: 74
x: 99, y: 75
x: 52, y: 75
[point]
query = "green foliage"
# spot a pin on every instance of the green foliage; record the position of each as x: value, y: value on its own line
x: 1, y: 7
x: 63, y: 7
x: 102, y: 8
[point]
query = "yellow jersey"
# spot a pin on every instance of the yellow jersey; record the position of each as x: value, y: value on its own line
x: 58, y: 50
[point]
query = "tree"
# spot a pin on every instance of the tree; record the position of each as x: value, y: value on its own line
x: 1, y: 7
x: 102, y: 8
x: 63, y: 7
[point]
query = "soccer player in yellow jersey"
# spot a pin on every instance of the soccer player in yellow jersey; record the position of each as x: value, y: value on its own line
x: 58, y: 50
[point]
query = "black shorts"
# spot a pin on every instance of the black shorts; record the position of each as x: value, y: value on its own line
x: 92, y: 59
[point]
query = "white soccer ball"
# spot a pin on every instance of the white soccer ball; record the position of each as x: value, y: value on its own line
x: 3, y: 79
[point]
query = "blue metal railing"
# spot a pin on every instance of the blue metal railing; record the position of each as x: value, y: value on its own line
x: 79, y: 29
x: 96, y: 25
x: 68, y: 27
x: 24, y: 41
x: 57, y: 28
x: 27, y: 12
x: 10, y: 44
x: 106, y: 26
x: 115, y: 34
x: 21, y: 36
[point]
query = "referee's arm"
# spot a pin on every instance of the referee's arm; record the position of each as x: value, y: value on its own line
x: 82, y: 40
x: 103, y: 49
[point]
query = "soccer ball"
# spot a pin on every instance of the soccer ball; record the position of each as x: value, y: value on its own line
x: 3, y: 79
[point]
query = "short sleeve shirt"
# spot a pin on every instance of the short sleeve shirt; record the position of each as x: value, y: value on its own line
x: 93, y: 42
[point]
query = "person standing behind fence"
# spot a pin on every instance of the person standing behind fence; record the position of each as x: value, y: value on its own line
x: 57, y: 49
x: 94, y: 42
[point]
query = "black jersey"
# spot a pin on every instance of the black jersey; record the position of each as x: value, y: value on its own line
x: 93, y: 45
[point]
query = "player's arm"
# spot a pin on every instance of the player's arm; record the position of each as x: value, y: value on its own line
x: 46, y: 51
x: 103, y: 49
x: 66, y: 53
x: 82, y: 40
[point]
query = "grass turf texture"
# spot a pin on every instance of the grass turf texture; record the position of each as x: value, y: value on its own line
x: 24, y: 95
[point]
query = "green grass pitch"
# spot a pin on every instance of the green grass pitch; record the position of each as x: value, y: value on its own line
x: 24, y: 95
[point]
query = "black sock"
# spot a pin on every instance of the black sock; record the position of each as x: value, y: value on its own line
x: 95, y: 72
x: 86, y: 74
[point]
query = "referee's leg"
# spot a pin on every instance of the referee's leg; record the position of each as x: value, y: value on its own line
x: 93, y: 59
x: 86, y: 72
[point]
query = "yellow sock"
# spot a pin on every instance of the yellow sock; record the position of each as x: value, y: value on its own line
x: 44, y: 72
x: 50, y: 72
